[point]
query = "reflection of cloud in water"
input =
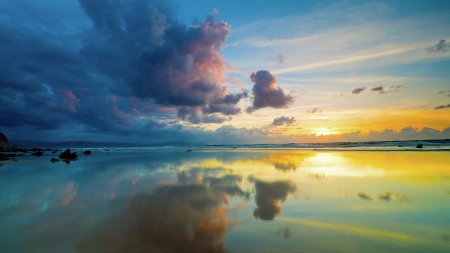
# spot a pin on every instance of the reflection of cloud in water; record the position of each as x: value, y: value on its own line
x: 364, y: 196
x: 267, y: 197
x: 288, y: 162
x: 227, y: 183
x: 387, y: 196
x: 317, y: 176
x: 285, y: 166
x: 285, y: 232
x: 188, y: 218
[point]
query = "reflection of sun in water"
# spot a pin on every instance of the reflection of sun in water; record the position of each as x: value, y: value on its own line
x: 329, y: 164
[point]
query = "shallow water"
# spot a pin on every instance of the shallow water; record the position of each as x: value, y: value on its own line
x: 235, y: 201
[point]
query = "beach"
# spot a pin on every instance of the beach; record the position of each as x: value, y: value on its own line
x: 227, y: 200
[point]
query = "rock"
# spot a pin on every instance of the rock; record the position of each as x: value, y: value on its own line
x: 4, y: 143
x: 87, y: 152
x: 38, y: 153
x: 419, y: 146
x: 11, y: 155
x: 54, y: 160
x: 189, y: 150
x: 66, y: 155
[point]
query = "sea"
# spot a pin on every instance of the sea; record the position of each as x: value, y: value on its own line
x: 335, y: 197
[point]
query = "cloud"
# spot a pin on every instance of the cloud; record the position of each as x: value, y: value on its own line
x: 383, y: 90
x: 279, y: 59
x: 388, y: 196
x: 315, y: 110
x: 189, y: 215
x: 267, y: 196
x: 440, y: 47
x: 265, y: 94
x: 336, y: 96
x: 283, y: 121
x: 109, y: 66
x: 358, y: 90
x: 442, y: 107
x: 364, y: 196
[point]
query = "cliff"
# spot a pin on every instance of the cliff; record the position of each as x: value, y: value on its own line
x: 4, y: 143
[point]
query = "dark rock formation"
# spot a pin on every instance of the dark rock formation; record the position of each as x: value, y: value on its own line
x: 3, y: 157
x: 4, y: 143
x: 66, y: 155
x: 87, y: 152
x: 419, y: 146
x: 38, y: 153
x: 54, y: 160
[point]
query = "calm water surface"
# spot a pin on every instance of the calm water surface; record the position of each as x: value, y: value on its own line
x: 228, y: 201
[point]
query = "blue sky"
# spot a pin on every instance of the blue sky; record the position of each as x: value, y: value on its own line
x: 225, y: 71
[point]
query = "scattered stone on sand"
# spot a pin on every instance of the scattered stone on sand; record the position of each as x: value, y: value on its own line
x: 54, y: 160
x: 419, y: 146
x: 38, y: 153
x: 66, y: 155
x: 87, y: 152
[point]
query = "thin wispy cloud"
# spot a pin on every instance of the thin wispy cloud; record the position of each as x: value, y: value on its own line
x: 315, y: 110
x: 279, y: 59
x: 383, y: 90
x: 359, y: 90
x: 441, y: 47
x: 442, y: 107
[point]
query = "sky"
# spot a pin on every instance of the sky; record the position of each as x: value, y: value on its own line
x: 224, y: 72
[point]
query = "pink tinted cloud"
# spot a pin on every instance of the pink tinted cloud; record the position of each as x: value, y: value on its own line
x: 70, y: 101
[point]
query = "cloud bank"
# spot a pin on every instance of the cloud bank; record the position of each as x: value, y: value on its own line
x: 110, y: 67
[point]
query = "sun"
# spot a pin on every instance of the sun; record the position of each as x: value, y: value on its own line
x: 323, y: 131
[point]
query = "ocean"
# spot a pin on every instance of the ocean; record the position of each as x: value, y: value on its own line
x: 336, y: 197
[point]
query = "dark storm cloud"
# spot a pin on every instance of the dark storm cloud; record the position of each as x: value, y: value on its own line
x: 441, y: 47
x: 225, y: 105
x: 161, y: 59
x: 442, y: 107
x: 283, y: 121
x: 267, y: 196
x: 100, y: 65
x: 195, y: 116
x: 265, y: 94
x: 358, y: 90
